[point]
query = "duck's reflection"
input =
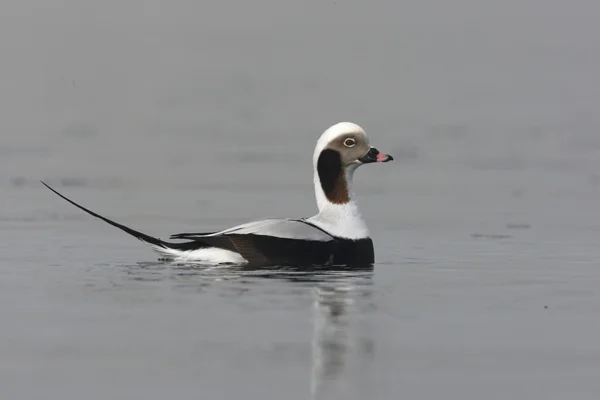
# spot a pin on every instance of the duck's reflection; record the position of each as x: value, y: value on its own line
x: 340, y: 350
x: 342, y: 343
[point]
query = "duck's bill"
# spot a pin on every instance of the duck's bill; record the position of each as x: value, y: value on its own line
x: 375, y: 155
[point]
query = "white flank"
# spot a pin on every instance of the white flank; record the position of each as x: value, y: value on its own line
x: 209, y: 256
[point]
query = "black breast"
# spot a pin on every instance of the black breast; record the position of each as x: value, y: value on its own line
x: 354, y: 252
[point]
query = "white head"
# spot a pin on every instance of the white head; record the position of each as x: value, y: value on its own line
x: 339, y: 151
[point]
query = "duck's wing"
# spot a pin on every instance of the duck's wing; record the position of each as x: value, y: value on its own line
x: 282, y: 228
x: 275, y: 241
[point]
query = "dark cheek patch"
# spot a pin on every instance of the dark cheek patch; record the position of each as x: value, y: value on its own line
x: 331, y: 175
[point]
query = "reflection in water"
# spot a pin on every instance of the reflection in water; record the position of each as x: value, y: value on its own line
x: 341, y: 349
x: 340, y: 354
x: 336, y: 340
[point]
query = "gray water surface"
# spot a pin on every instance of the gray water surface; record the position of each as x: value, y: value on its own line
x: 182, y: 116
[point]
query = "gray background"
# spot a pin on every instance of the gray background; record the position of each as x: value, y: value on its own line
x: 185, y: 115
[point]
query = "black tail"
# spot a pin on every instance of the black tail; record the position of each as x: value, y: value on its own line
x: 139, y: 235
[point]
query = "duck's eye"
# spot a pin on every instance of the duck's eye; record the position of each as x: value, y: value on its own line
x: 349, y: 142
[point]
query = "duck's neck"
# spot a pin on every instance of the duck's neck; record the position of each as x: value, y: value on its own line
x: 339, y: 215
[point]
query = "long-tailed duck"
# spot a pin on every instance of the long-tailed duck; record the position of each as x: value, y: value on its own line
x: 337, y: 235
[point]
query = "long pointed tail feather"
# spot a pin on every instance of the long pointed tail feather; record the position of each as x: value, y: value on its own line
x: 156, y: 243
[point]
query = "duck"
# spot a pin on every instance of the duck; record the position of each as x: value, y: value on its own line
x: 336, y: 236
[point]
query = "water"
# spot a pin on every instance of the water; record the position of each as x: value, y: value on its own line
x: 179, y: 116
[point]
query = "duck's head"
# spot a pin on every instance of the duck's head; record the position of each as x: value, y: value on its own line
x: 340, y: 150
